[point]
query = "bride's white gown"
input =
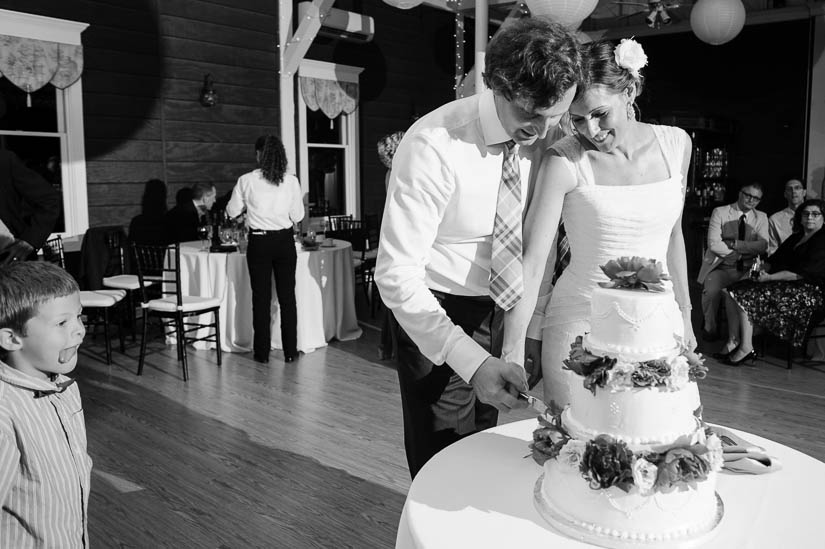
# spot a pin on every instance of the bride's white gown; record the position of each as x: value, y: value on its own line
x: 604, y: 223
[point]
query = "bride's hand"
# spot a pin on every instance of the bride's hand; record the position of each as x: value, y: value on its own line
x: 690, y: 338
x: 532, y: 361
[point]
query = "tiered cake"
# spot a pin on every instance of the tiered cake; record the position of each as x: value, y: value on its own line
x: 629, y: 462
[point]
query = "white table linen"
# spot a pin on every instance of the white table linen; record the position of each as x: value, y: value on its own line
x: 324, y: 292
x: 478, y: 493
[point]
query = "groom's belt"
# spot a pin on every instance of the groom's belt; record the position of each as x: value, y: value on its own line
x: 472, y: 298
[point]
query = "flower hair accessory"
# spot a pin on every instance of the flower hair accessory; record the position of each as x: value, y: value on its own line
x: 630, y: 55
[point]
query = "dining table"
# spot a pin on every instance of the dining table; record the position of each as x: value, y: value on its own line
x: 479, y: 492
x: 324, y: 293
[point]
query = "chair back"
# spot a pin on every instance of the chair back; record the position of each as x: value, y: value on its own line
x: 101, y: 255
x: 53, y: 251
x: 338, y: 222
x: 158, y: 263
x: 372, y: 229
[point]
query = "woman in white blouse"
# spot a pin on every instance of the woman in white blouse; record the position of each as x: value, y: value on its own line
x: 273, y: 203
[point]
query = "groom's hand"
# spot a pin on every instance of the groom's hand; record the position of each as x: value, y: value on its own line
x: 497, y: 383
x: 532, y: 361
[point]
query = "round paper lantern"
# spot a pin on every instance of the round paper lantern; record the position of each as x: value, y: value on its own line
x: 717, y: 21
x: 569, y: 13
x: 404, y: 4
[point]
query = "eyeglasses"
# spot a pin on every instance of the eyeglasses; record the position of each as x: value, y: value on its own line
x: 811, y: 214
x: 749, y: 196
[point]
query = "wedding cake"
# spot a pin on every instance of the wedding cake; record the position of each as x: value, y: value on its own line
x: 629, y: 462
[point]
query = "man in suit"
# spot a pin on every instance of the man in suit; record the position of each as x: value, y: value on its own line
x: 183, y: 220
x: 29, y: 207
x: 737, y: 233
x: 458, y: 184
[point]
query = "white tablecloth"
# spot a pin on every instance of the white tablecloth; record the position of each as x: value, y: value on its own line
x: 324, y: 291
x: 478, y: 493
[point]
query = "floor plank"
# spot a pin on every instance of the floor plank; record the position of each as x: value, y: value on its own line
x: 310, y: 454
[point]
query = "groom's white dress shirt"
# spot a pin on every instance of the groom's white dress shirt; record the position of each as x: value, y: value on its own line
x: 438, y: 223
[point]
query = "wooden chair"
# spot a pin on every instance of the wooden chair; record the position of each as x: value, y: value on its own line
x: 167, y: 302
x: 338, y: 222
x: 93, y: 301
x: 363, y: 254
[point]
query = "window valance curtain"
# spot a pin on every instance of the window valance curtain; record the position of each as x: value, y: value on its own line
x: 331, y: 96
x: 30, y: 64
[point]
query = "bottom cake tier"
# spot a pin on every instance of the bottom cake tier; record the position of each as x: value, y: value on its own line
x: 617, y: 519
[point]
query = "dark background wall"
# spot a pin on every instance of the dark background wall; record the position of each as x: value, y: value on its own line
x: 144, y: 66
x: 756, y: 84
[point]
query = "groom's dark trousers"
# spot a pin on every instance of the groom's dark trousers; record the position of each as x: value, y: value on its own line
x: 439, y: 407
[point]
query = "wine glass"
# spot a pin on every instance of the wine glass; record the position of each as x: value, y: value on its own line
x: 205, y: 233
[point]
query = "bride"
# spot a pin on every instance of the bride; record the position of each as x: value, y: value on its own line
x: 618, y: 184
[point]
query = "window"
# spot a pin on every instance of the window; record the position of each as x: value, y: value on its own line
x: 328, y: 151
x: 48, y: 135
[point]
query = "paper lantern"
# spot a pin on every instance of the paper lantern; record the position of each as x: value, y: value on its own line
x: 404, y: 4
x: 717, y: 21
x: 569, y: 13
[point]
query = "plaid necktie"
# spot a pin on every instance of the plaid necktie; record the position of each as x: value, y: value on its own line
x: 506, y: 282
x: 562, y: 253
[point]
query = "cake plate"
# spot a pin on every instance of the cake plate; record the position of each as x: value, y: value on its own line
x: 571, y: 529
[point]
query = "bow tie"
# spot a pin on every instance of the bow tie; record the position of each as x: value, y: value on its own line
x: 62, y: 386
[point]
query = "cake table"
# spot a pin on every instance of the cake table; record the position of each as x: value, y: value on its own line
x: 478, y: 493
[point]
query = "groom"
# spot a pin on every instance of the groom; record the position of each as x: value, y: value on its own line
x: 449, y: 260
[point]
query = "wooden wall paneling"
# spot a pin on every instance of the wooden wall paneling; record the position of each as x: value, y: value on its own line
x: 182, y: 151
x: 223, y: 113
x: 111, y: 128
x: 120, y: 105
x: 213, y: 132
x: 201, y: 50
x: 264, y: 21
x: 125, y: 150
x: 223, y: 74
x: 122, y: 172
x: 246, y: 39
x: 189, y: 90
x: 117, y: 194
x: 206, y: 171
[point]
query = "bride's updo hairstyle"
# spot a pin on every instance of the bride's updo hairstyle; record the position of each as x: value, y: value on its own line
x: 601, y: 67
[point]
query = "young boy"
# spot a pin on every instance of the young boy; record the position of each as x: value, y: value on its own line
x: 44, y: 468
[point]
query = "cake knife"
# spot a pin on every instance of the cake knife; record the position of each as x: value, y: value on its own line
x: 535, y: 403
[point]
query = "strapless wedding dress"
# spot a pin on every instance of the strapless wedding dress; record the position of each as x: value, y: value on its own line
x: 604, y: 223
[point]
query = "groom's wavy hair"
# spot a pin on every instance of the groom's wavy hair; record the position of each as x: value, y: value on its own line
x: 601, y: 69
x: 533, y: 60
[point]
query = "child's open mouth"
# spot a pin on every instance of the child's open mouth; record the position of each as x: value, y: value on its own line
x: 67, y: 354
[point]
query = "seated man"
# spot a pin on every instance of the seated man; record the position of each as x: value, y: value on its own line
x: 183, y: 220
x: 737, y: 233
x: 780, y: 224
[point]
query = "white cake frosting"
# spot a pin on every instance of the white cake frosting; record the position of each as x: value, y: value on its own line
x: 612, y: 515
x: 633, y: 327
x: 639, y: 416
x: 633, y: 324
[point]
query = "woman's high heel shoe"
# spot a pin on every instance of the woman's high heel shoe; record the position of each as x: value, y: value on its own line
x: 725, y: 355
x: 750, y: 356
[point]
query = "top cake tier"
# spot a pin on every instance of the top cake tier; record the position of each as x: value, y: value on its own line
x: 633, y: 324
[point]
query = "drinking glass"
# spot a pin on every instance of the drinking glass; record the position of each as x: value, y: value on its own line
x: 205, y: 232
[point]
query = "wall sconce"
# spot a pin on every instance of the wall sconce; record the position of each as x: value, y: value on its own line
x: 209, y: 97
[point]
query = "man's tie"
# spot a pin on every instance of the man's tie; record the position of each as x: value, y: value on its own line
x: 506, y: 282
x: 740, y: 263
x: 562, y: 253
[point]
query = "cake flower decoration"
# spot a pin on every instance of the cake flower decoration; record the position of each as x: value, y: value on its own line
x: 635, y: 273
x: 630, y: 55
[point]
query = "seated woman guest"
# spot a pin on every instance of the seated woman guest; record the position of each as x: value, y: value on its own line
x: 273, y: 203
x: 786, y: 293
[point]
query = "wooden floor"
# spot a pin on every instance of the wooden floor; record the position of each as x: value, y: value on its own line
x: 310, y: 454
